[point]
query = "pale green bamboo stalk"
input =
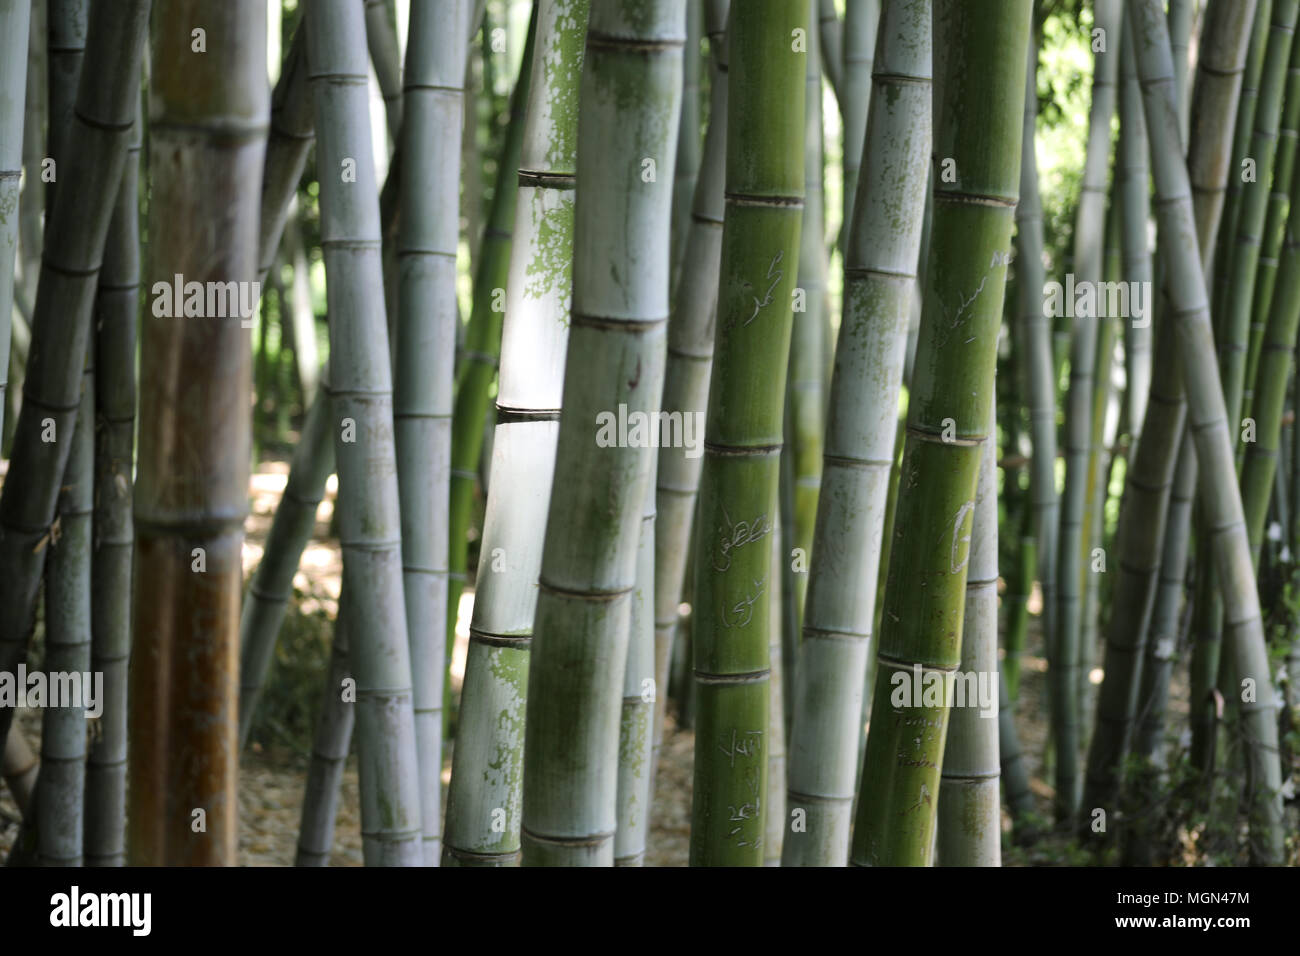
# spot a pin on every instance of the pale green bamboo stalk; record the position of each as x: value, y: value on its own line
x: 335, y: 720
x: 425, y: 370
x: 483, y: 801
x: 1132, y: 184
x: 978, y: 125
x: 688, y: 366
x: 738, y: 485
x: 271, y: 589
x: 1011, y: 763
x: 369, y: 529
x: 970, y: 817
x: 34, y: 138
x: 116, y: 306
x: 689, y: 145
x: 60, y: 787
x: 830, y: 34
x: 636, y: 730
x: 1089, y: 231
x: 290, y: 139
x: 1166, y: 617
x: 478, y: 366
x: 386, y: 58
x: 861, y: 18
x: 1181, y: 13
x: 630, y: 98
x: 828, y: 687
x: 1224, y: 64
x: 75, y: 232
x: 1035, y: 329
x: 14, y: 27
x: 1218, y: 491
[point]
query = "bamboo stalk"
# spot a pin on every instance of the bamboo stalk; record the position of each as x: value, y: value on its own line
x: 861, y: 18
x: 482, y: 353
x: 483, y: 801
x: 75, y: 233
x: 1064, y: 664
x: 1132, y: 183
x: 630, y: 95
x: 116, y: 306
x: 969, y: 822
x: 978, y: 125
x: 739, y: 480
x: 335, y: 720
x: 15, y: 16
x: 369, y: 530
x: 689, y: 145
x: 194, y: 374
x: 689, y: 365
x: 1275, y: 220
x: 425, y: 370
x: 272, y: 586
x: 1218, y: 491
x: 860, y: 441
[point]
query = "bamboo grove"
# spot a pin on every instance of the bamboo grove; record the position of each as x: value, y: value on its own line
x: 650, y: 432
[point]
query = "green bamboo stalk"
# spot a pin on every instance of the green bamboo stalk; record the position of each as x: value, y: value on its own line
x: 483, y: 802
x: 1209, y: 425
x: 335, y: 720
x: 774, y: 796
x: 830, y: 35
x: 1277, y: 359
x: 1131, y: 178
x: 1019, y: 583
x: 689, y: 364
x: 14, y: 27
x: 689, y: 146
x: 1035, y: 330
x: 636, y: 731
x: 1233, y: 327
x: 860, y: 442
x: 368, y: 495
x: 271, y: 589
x: 424, y: 375
x: 630, y: 97
x: 978, y: 125
x: 1250, y: 69
x: 970, y: 819
x: 189, y: 510
x: 1066, y: 654
x: 861, y: 18
x: 1275, y: 220
x: 75, y: 233
x: 116, y: 306
x: 739, y: 481
x: 478, y: 367
x: 807, y: 369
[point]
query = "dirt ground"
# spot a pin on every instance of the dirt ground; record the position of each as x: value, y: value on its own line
x: 272, y: 780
